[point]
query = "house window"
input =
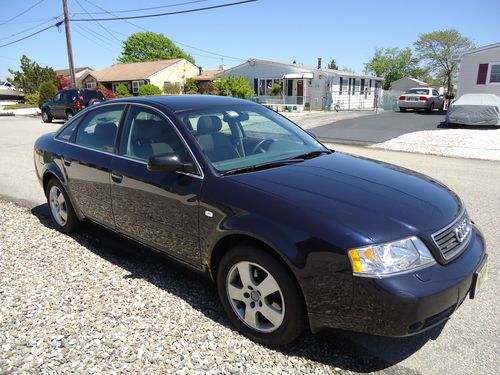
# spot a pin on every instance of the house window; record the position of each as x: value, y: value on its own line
x: 494, y: 73
x: 90, y: 85
x: 262, y: 87
x: 362, y: 91
x: 349, y: 90
x: 341, y: 82
x: 370, y: 90
x: 255, y: 86
x: 136, y: 85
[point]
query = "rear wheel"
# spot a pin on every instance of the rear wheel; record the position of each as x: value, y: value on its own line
x: 402, y: 109
x: 61, y: 210
x: 431, y: 107
x: 260, y: 296
x: 46, y: 117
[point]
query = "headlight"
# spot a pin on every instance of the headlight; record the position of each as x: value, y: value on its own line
x: 390, y: 258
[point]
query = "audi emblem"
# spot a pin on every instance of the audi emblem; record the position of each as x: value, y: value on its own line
x: 461, y: 231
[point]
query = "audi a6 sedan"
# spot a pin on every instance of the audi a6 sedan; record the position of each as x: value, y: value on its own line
x: 294, y: 235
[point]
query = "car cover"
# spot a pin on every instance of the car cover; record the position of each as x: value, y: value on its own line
x: 475, y: 109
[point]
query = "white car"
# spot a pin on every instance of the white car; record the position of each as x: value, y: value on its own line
x: 421, y: 98
x: 475, y: 109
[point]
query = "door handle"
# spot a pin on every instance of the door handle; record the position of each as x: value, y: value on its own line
x: 116, y: 177
x: 67, y: 162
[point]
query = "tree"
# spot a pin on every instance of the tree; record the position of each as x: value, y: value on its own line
x: 149, y: 46
x: 149, y: 90
x: 47, y: 90
x: 238, y: 87
x: 170, y: 88
x: 108, y: 94
x: 393, y: 64
x: 438, y: 49
x: 191, y: 86
x: 31, y: 75
x: 332, y: 65
x: 122, y: 91
x: 63, y: 82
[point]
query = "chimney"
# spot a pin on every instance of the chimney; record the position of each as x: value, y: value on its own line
x: 319, y: 62
x: 199, y: 68
x: 222, y: 67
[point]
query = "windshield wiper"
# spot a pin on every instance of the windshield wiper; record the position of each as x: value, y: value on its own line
x: 259, y: 167
x: 312, y: 154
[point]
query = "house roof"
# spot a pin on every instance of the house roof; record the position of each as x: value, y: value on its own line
x: 208, y: 75
x: 476, y: 50
x: 417, y: 81
x: 131, y: 71
x: 305, y: 68
x: 65, y: 72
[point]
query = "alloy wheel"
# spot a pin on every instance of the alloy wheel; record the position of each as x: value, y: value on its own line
x: 255, y: 296
x: 58, y: 206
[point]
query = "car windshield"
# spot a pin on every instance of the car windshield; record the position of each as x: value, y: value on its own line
x: 235, y: 138
x: 418, y: 91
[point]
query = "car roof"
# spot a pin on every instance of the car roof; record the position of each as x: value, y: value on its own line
x: 179, y: 103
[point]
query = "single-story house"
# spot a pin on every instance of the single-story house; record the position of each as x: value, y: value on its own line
x: 407, y: 83
x: 79, y: 73
x: 479, y: 71
x: 205, y: 78
x: 134, y: 75
x: 307, y: 87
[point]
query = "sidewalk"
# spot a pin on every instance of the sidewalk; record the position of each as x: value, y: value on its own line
x: 311, y: 120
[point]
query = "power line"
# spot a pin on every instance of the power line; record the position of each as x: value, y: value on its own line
x: 33, y: 34
x: 23, y: 12
x: 107, y: 46
x: 177, y: 42
x: 30, y: 28
x: 98, y: 23
x: 150, y: 8
x: 162, y: 14
x: 96, y: 35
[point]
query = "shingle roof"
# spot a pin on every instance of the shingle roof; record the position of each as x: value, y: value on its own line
x: 131, y: 71
x: 208, y: 75
x: 65, y: 72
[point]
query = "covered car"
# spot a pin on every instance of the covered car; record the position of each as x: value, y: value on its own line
x: 475, y: 109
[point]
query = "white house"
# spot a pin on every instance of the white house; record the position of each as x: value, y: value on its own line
x: 479, y: 71
x: 406, y: 83
x: 307, y: 87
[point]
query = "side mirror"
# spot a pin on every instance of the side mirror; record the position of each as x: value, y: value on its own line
x: 168, y: 163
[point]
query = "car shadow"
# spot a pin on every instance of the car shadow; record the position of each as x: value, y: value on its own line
x: 424, y: 113
x: 445, y: 125
x: 338, y: 349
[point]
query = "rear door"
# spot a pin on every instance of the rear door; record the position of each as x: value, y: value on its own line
x: 88, y: 162
x: 157, y: 208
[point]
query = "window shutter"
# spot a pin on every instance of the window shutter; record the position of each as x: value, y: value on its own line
x: 482, y: 73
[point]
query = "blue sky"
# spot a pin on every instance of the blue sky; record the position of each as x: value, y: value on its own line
x: 281, y: 30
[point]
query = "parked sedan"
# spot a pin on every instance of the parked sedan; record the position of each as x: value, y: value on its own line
x: 421, y: 98
x: 294, y: 235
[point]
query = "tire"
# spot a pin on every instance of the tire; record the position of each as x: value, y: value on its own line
x: 61, y: 210
x: 69, y: 114
x: 284, y: 307
x: 402, y: 109
x: 431, y: 108
x: 46, y: 117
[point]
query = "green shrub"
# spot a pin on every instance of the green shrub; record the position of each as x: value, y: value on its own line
x: 46, y: 92
x: 170, y: 88
x: 32, y: 99
x: 122, y: 91
x: 238, y: 87
x: 276, y: 90
x: 149, y: 90
x: 191, y: 86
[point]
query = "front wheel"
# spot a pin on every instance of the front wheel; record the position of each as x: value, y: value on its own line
x: 61, y: 210
x: 46, y: 117
x: 260, y: 296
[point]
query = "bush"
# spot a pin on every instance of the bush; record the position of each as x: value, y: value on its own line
x: 46, y: 92
x: 238, y: 87
x: 122, y: 91
x: 108, y: 94
x: 276, y: 90
x: 170, y: 88
x: 191, y: 86
x: 149, y: 90
x: 32, y: 99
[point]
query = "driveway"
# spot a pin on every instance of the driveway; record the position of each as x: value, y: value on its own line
x: 379, y: 128
x: 131, y: 279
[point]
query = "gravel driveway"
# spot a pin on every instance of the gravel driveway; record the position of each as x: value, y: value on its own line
x: 96, y: 303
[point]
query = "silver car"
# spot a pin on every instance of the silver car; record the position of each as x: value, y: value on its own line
x: 421, y: 98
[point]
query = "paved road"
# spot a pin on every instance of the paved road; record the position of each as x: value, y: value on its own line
x: 467, y: 344
x: 379, y: 128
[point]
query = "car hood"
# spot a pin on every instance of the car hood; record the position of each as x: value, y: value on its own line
x: 380, y: 200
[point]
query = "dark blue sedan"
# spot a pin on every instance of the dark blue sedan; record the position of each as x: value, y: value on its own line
x: 295, y: 236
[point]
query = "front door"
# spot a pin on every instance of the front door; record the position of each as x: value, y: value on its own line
x: 300, y: 92
x: 88, y: 162
x: 157, y: 208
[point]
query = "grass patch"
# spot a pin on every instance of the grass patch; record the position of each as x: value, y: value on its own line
x: 19, y: 106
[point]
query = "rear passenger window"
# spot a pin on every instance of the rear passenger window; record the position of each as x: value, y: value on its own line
x: 98, y: 129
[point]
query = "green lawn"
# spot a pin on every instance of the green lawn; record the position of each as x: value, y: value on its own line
x: 20, y: 105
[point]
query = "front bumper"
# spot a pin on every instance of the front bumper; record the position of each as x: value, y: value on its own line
x: 409, y: 303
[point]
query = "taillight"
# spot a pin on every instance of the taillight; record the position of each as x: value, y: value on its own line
x: 423, y: 99
x: 78, y: 105
x: 402, y: 98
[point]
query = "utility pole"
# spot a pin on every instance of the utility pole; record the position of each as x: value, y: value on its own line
x: 68, y: 44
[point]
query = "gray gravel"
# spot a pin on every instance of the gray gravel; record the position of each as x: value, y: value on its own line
x: 95, y: 303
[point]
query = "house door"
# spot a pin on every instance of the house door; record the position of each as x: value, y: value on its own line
x: 300, y: 92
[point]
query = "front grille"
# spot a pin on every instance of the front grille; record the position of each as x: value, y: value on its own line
x: 452, y: 239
